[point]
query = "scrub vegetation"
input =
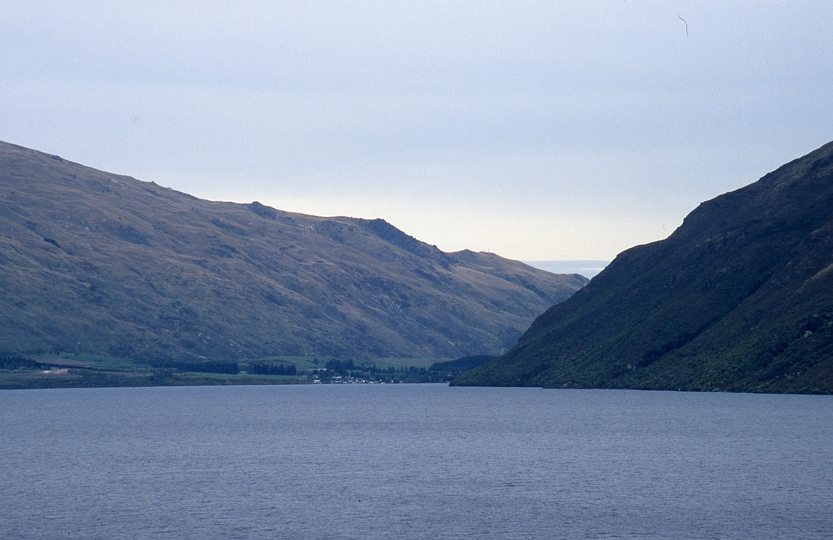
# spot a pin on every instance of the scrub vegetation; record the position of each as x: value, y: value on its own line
x: 739, y: 298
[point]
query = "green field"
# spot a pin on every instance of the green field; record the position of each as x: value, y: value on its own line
x: 89, y: 371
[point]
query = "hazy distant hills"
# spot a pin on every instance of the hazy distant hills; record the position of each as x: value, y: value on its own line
x: 99, y: 263
x: 739, y: 298
x: 587, y: 268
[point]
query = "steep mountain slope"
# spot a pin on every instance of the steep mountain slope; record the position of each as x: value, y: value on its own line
x: 100, y: 263
x: 739, y: 298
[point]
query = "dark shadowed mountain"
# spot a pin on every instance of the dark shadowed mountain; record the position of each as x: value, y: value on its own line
x: 739, y: 298
x: 95, y: 262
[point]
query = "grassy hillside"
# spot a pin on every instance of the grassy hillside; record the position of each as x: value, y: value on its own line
x: 739, y: 298
x: 96, y: 263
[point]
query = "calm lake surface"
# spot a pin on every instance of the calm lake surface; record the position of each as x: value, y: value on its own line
x: 413, y: 461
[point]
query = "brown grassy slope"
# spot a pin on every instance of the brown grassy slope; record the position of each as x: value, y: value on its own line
x: 96, y: 262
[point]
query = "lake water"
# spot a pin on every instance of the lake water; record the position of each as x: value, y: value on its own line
x: 413, y: 461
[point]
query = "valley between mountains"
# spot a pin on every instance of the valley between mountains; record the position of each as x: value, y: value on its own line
x: 108, y: 280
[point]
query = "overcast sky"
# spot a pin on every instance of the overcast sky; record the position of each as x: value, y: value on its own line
x: 535, y: 130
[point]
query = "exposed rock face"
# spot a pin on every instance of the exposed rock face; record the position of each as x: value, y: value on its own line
x: 101, y: 263
x: 739, y: 298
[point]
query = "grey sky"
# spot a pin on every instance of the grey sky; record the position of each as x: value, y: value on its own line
x: 536, y: 130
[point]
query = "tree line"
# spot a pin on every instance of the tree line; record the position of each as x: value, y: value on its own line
x: 202, y: 366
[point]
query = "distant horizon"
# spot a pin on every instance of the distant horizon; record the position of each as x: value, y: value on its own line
x: 586, y: 268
